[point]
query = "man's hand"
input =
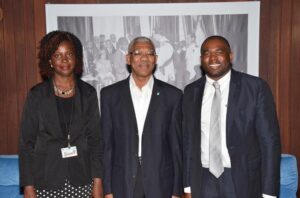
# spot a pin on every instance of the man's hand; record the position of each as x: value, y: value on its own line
x: 187, y: 195
x: 109, y: 196
x: 97, y: 188
x: 173, y: 196
x: 29, y: 192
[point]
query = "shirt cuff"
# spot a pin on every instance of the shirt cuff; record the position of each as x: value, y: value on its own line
x: 268, y: 196
x: 187, y: 190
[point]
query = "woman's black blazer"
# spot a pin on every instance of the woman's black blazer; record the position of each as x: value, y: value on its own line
x: 41, y: 139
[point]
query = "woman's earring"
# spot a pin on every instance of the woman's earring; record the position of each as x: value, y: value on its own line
x: 51, y: 66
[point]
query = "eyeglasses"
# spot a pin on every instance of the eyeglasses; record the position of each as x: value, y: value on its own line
x: 138, y: 53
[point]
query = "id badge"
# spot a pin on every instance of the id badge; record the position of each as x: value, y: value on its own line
x: 69, y: 152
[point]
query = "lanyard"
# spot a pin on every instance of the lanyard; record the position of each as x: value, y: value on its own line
x: 68, y: 123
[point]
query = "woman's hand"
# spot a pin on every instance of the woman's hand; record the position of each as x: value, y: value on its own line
x: 29, y: 192
x: 187, y: 195
x: 97, y: 191
x: 109, y: 196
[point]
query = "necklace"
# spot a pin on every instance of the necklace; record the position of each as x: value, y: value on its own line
x: 61, y: 92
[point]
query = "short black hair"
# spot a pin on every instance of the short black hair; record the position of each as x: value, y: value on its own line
x: 217, y: 37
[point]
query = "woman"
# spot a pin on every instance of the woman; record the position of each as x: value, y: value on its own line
x: 60, y: 143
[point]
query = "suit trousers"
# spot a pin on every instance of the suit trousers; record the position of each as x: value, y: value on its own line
x: 139, y: 188
x: 222, y: 187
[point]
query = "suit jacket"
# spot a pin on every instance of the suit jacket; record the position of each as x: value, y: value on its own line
x: 161, y: 144
x: 41, y: 139
x: 252, y: 136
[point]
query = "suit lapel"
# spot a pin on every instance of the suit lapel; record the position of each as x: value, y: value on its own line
x: 198, y: 96
x: 127, y: 103
x: 77, y: 118
x: 155, y: 102
x: 197, y: 106
x: 50, y: 111
x: 233, y: 98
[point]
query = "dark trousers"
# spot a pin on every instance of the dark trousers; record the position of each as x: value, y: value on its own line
x: 139, y: 188
x: 212, y: 187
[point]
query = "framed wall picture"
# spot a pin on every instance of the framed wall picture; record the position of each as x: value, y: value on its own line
x: 177, y: 30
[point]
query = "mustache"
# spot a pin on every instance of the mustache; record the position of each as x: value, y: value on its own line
x: 145, y: 63
x: 128, y: 67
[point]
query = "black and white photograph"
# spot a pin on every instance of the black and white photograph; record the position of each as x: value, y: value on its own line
x: 177, y: 38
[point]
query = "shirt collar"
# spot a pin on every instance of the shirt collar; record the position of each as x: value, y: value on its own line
x: 147, y: 86
x: 221, y: 81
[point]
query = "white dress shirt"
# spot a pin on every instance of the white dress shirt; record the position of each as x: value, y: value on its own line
x: 209, y: 92
x: 208, y: 95
x: 141, y: 100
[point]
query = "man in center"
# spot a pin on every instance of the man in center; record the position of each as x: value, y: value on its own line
x: 141, y: 124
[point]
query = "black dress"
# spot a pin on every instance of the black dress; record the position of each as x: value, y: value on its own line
x: 67, y: 191
x: 65, y: 110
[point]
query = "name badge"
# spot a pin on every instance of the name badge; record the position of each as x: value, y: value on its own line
x: 69, y: 152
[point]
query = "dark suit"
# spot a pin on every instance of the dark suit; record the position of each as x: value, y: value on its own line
x: 252, y: 136
x: 41, y: 139
x: 161, y: 146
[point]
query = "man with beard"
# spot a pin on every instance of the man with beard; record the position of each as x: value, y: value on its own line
x: 141, y: 125
x: 230, y: 130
